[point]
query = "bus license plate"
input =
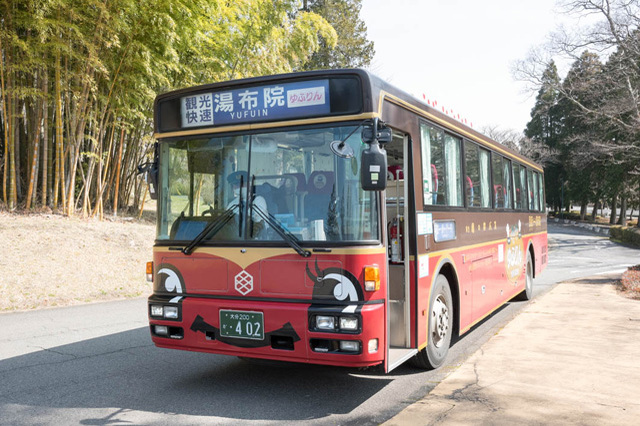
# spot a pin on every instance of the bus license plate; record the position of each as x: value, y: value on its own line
x: 242, y: 324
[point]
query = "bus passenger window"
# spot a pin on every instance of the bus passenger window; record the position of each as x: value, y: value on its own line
x: 541, y: 192
x: 498, y: 181
x: 453, y: 178
x: 485, y: 177
x: 532, y: 191
x: 508, y: 187
x: 472, y: 179
x: 520, y: 185
x: 477, y: 178
x: 441, y: 161
x: 432, y: 165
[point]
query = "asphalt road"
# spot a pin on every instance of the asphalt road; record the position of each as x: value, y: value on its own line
x: 95, y: 364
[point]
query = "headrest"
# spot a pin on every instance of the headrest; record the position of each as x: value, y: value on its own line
x: 320, y: 182
x: 234, y: 178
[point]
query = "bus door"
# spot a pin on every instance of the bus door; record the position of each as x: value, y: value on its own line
x: 398, y: 280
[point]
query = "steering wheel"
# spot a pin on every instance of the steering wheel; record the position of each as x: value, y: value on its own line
x: 209, y: 212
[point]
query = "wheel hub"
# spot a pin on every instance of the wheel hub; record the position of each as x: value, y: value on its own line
x: 439, y: 321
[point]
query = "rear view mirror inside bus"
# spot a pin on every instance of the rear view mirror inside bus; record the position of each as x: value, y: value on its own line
x: 373, y: 174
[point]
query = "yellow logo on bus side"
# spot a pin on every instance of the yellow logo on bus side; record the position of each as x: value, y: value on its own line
x: 515, y: 252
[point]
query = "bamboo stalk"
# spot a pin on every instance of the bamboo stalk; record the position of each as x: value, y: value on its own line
x: 144, y: 199
x: 119, y: 166
x: 34, y: 159
x: 103, y: 179
x: 5, y: 125
x: 59, y: 172
x: 45, y: 141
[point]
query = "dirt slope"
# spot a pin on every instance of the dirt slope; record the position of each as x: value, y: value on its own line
x: 50, y: 260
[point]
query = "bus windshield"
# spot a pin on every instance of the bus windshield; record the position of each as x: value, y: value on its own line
x: 261, y: 186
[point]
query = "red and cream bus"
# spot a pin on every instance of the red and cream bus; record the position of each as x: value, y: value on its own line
x: 327, y: 217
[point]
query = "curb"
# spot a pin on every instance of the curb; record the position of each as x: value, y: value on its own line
x: 598, y: 229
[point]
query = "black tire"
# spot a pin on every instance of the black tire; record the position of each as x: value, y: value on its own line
x: 440, y: 326
x: 527, y: 293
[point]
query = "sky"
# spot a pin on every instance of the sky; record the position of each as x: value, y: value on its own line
x: 461, y: 52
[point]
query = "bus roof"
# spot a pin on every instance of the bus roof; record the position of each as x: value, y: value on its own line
x: 354, y: 92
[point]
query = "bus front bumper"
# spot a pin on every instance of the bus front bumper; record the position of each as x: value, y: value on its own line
x: 289, y: 330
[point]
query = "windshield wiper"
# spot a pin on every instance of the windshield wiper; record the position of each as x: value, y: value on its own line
x: 285, y: 234
x: 211, y: 229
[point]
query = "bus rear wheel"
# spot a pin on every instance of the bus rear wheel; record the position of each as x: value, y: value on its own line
x: 527, y: 293
x: 440, y: 326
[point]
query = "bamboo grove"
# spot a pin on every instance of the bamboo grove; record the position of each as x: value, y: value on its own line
x: 78, y: 79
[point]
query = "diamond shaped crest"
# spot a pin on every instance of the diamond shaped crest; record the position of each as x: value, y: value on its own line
x: 244, y: 283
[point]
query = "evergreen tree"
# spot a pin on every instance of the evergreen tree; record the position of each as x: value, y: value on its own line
x: 353, y: 49
x: 544, y: 128
x: 581, y: 134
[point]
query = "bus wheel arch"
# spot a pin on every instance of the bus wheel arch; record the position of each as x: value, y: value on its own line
x: 443, y: 318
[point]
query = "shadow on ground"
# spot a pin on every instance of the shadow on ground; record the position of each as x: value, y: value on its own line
x: 124, y: 370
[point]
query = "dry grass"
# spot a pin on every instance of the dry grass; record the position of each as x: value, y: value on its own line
x: 630, y: 282
x: 51, y: 260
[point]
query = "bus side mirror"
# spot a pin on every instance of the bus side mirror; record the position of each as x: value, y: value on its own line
x: 373, y: 172
x: 150, y: 175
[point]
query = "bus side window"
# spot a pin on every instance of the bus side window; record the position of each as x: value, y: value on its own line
x: 532, y: 193
x: 433, y: 165
x: 541, y: 192
x: 472, y: 178
x: 477, y: 178
x: 508, y: 186
x: 498, y: 181
x: 453, y: 178
x: 442, y: 186
x: 520, y: 185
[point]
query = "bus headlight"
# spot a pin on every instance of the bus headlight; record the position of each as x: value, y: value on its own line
x: 349, y: 323
x: 157, y: 311
x: 325, y: 322
x: 171, y: 312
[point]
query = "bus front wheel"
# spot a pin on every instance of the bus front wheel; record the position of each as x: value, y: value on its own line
x: 440, y: 326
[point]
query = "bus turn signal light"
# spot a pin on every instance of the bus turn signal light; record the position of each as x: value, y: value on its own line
x: 371, y: 278
x: 150, y: 271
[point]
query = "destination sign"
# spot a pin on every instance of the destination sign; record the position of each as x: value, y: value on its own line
x: 261, y: 103
x: 444, y: 230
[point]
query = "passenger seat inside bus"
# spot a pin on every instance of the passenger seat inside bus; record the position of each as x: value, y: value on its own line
x: 316, y: 202
x: 268, y: 192
x: 288, y: 195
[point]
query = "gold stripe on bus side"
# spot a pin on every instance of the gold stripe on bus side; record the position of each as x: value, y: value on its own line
x: 404, y: 104
x: 473, y: 246
x: 268, y: 125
